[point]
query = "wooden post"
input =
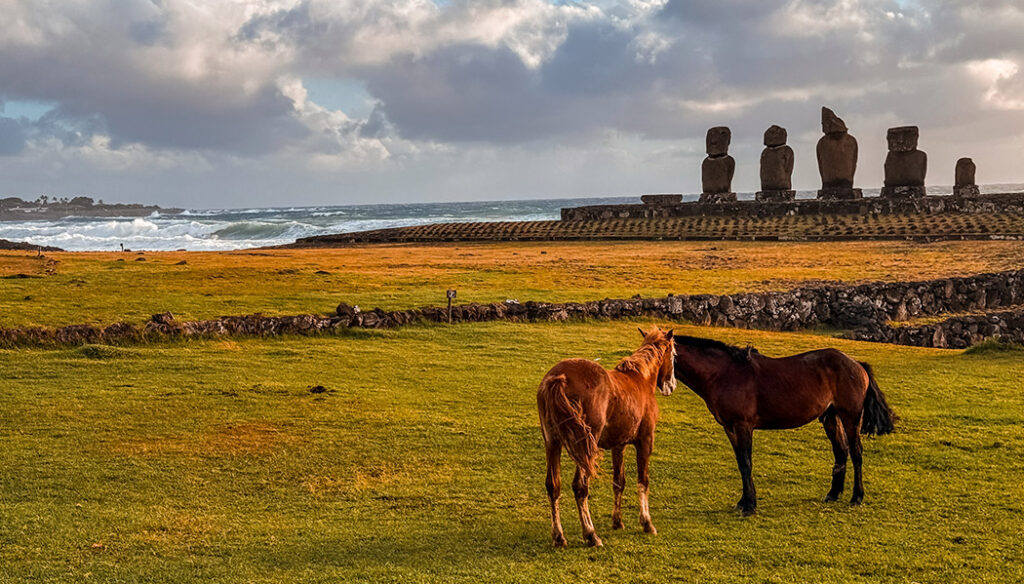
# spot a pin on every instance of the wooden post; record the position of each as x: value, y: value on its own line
x: 451, y: 295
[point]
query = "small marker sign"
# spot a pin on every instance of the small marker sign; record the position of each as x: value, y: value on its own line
x: 451, y: 295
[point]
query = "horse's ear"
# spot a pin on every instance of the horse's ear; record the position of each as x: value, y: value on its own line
x: 668, y: 335
x: 642, y: 333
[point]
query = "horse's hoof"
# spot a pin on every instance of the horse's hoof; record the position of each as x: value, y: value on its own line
x: 617, y: 524
x: 594, y: 541
x: 649, y: 529
x: 559, y: 541
x: 830, y: 498
x: 856, y: 501
x: 746, y: 508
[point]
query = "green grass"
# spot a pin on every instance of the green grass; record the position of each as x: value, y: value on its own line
x: 993, y: 345
x: 212, y: 461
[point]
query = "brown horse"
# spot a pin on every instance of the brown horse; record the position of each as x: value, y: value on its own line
x: 747, y: 391
x: 586, y: 408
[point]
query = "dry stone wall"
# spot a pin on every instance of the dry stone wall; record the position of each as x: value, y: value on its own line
x: 864, y: 310
x: 953, y: 333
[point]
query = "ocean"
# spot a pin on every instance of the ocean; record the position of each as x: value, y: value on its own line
x: 227, y: 229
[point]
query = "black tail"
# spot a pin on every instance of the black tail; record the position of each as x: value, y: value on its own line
x: 878, y: 417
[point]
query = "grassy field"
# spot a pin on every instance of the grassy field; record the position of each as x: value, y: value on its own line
x: 422, y: 462
x: 101, y: 288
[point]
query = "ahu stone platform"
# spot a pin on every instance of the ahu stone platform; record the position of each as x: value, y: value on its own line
x: 993, y: 203
x: 802, y: 227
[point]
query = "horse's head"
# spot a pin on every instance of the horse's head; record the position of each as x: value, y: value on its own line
x: 666, y: 375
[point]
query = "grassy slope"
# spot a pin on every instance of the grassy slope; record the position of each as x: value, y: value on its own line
x: 212, y: 461
x: 96, y: 288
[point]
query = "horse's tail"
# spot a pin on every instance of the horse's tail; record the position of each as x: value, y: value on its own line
x: 878, y: 417
x: 565, y: 421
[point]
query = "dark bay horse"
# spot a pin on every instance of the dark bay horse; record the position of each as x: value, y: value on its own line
x: 585, y: 408
x: 747, y: 391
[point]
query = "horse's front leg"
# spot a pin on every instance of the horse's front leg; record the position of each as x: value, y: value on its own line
x: 643, y: 478
x: 581, y: 488
x: 618, y: 485
x: 742, y: 438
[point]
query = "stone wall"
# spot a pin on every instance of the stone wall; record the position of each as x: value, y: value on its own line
x: 989, y: 203
x: 954, y: 333
x: 865, y: 310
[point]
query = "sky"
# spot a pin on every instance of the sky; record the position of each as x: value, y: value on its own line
x: 238, y: 103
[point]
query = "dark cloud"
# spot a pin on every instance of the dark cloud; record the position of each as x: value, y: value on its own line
x: 12, y: 137
x: 135, y: 80
x: 147, y: 32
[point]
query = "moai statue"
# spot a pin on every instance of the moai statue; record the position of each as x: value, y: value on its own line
x: 965, y: 185
x: 717, y: 170
x: 837, y: 159
x: 905, y: 165
x: 776, y: 167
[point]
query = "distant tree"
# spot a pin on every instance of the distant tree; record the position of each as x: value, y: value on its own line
x: 81, y: 202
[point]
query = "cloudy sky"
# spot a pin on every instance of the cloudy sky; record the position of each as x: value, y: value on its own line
x: 261, y: 102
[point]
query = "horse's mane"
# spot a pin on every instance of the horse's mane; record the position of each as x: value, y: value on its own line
x: 737, y: 354
x: 643, y: 361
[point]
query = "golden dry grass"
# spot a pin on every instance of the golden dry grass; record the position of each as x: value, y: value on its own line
x: 100, y: 288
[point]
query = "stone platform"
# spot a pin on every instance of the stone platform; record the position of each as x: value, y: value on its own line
x: 994, y: 203
x: 805, y: 227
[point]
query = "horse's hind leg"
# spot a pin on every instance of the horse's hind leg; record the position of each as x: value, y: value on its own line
x: 554, y: 486
x: 742, y: 438
x: 618, y: 485
x: 581, y: 488
x: 643, y: 480
x: 851, y: 423
x: 839, y: 450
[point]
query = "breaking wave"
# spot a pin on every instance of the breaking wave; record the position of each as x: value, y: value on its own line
x: 226, y: 229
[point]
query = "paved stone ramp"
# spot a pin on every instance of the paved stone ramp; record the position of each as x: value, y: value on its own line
x: 786, y: 228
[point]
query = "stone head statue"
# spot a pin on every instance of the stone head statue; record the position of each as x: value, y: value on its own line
x: 775, y: 136
x: 905, y: 165
x: 776, y: 167
x: 837, y: 158
x: 903, y: 139
x: 718, y: 140
x: 965, y: 171
x: 718, y: 168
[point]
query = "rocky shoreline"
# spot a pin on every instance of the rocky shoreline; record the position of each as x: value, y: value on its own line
x: 16, y: 209
x: 6, y: 245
